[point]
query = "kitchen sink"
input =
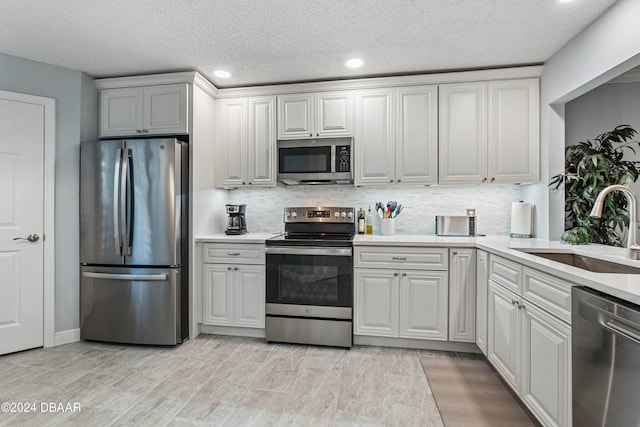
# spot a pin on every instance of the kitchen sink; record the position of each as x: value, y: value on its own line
x: 586, y: 263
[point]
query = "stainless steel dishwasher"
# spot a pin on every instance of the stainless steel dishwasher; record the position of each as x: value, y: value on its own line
x: 606, y: 360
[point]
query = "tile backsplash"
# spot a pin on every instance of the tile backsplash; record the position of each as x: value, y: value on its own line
x: 492, y: 203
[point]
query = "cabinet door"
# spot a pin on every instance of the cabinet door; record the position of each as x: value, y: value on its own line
x: 262, y: 142
x: 333, y: 114
x: 120, y: 112
x: 416, y: 139
x: 423, y: 304
x: 503, y: 334
x: 296, y: 116
x: 373, y: 143
x: 231, y: 162
x: 514, y: 142
x: 218, y: 294
x: 249, y: 295
x: 482, y: 285
x: 462, y: 133
x: 165, y: 109
x: 462, y: 295
x: 376, y: 302
x: 546, y: 366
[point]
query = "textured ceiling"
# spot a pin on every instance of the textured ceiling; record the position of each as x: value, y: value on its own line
x: 270, y: 41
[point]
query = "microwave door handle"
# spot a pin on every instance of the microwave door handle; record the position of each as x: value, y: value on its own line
x: 117, y: 183
x: 333, y: 158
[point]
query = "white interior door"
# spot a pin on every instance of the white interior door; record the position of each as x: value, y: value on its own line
x: 21, y: 217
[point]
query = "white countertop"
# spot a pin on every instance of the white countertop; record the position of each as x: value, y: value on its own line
x: 249, y: 237
x: 624, y: 286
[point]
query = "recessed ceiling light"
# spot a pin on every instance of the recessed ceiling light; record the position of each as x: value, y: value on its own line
x: 564, y: 1
x: 354, y: 63
x: 222, y: 74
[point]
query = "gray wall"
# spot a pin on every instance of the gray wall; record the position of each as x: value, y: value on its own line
x: 76, y: 119
x: 600, y: 111
x: 605, y: 49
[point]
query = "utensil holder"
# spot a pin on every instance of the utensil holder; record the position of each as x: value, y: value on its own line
x: 387, y: 226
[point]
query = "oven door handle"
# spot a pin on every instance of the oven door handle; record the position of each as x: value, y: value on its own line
x: 301, y: 250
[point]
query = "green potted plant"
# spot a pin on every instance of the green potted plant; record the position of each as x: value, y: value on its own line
x: 590, y: 167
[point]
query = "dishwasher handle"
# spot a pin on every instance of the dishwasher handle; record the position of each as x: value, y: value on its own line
x: 618, y: 329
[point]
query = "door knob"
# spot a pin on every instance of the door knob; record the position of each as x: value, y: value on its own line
x: 30, y: 238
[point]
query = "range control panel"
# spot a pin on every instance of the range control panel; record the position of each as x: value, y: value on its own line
x: 320, y: 214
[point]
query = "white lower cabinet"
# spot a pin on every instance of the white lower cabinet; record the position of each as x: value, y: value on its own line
x: 234, y: 295
x: 462, y: 295
x: 234, y: 285
x: 503, y: 334
x: 401, y: 303
x: 482, y: 289
x: 529, y: 346
x: 546, y: 366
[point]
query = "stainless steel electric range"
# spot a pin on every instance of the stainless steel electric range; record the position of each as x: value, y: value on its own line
x: 310, y: 278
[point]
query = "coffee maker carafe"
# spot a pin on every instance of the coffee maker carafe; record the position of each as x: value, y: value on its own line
x: 236, y: 223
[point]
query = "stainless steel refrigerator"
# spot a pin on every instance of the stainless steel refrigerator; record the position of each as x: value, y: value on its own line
x: 133, y: 241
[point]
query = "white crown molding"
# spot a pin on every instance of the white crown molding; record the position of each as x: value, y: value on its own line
x: 192, y: 77
x: 379, y: 82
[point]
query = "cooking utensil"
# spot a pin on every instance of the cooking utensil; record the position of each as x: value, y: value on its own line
x: 398, y: 210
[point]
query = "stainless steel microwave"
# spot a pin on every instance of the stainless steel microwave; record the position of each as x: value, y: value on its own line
x: 315, y: 161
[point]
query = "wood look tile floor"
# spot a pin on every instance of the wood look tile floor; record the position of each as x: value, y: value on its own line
x: 219, y: 381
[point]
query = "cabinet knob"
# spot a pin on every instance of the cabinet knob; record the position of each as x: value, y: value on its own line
x: 404, y: 274
x: 493, y: 178
x: 399, y: 181
x: 138, y: 131
x: 454, y: 253
x: 235, y: 268
x: 484, y: 179
x: 391, y: 181
x: 318, y: 134
x: 310, y: 134
x: 145, y: 130
x: 514, y: 302
x: 228, y: 268
x: 243, y: 183
x: 395, y: 274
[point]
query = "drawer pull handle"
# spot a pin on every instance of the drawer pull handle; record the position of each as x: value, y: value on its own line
x: 233, y: 253
x: 399, y: 258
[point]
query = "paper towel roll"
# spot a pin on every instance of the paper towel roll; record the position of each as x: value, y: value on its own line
x: 521, y: 219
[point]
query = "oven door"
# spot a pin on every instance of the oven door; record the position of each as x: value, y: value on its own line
x: 310, y: 281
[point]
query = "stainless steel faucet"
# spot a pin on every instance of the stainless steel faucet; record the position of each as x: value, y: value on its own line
x: 632, y: 243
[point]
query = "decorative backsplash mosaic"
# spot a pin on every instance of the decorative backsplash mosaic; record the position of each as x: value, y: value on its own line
x: 492, y: 203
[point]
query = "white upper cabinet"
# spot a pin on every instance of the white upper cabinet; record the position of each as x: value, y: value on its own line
x: 513, y: 131
x: 148, y: 110
x: 488, y: 132
x: 315, y: 115
x: 247, y: 142
x: 463, y: 133
x: 373, y: 139
x: 416, y: 142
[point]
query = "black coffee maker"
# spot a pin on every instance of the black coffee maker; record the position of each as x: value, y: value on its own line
x: 236, y: 223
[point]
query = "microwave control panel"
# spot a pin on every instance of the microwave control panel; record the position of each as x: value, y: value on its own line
x: 343, y: 158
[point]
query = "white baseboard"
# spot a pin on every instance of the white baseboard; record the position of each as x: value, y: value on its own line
x: 66, y: 337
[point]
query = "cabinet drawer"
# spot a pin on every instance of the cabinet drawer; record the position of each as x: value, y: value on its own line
x: 548, y: 292
x: 233, y: 253
x: 506, y: 273
x: 401, y: 257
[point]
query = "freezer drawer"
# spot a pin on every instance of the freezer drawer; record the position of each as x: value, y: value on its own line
x: 130, y: 305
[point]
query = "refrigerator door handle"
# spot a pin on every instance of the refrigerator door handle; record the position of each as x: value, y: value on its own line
x: 117, y: 172
x: 128, y: 277
x: 122, y: 205
x: 129, y: 205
